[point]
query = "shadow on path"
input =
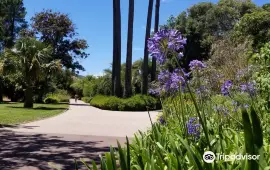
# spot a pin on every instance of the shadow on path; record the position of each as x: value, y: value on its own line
x: 22, y: 150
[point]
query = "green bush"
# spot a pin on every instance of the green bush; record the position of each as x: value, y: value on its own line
x: 135, y: 103
x: 58, y: 95
x: 87, y: 99
x: 62, y: 95
x: 51, y: 100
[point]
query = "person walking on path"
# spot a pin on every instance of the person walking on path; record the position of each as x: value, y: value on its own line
x: 76, y: 98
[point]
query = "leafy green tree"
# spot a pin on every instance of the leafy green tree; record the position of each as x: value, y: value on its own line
x: 32, y: 59
x: 262, y: 76
x: 205, y: 23
x: 12, y: 20
x: 128, y: 88
x: 256, y: 26
x: 266, y: 7
x: 58, y: 31
x: 146, y: 53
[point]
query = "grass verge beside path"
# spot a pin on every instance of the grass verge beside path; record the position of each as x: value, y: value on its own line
x: 14, y: 113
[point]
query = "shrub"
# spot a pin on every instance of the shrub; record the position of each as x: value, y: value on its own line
x: 51, y: 100
x: 62, y: 95
x: 135, y: 103
x: 87, y: 99
x: 59, y: 95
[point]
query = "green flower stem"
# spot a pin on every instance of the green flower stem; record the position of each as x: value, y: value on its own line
x: 196, y: 106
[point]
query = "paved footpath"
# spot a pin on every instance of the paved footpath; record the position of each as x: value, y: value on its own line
x: 80, y: 132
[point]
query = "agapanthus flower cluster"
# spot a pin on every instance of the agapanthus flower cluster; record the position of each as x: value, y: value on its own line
x: 161, y: 120
x: 155, y: 92
x: 226, y: 87
x: 193, y: 127
x: 222, y: 109
x: 248, y: 87
x: 171, y: 82
x: 238, y: 105
x: 244, y: 73
x: 166, y: 42
x: 196, y: 65
x: 202, y: 91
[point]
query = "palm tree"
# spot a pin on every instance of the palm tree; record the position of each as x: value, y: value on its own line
x: 33, y: 60
x: 147, y: 35
x: 116, y: 48
x: 128, y: 88
x: 154, y: 63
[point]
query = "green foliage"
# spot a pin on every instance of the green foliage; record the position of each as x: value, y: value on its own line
x: 255, y: 25
x: 14, y: 113
x: 262, y: 76
x: 65, y: 47
x: 266, y: 7
x: 86, y: 99
x: 12, y: 20
x: 30, y: 61
x: 205, y: 22
x: 51, y: 99
x: 134, y: 103
x: 163, y: 147
x: 90, y: 86
x: 57, y: 96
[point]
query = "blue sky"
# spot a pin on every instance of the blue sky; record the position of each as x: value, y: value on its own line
x: 93, y: 20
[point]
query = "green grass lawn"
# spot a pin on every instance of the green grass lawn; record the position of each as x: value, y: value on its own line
x: 14, y: 113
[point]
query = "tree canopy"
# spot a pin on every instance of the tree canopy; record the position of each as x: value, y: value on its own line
x: 12, y: 20
x: 58, y: 31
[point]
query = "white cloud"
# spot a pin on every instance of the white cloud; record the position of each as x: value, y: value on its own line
x: 98, y: 74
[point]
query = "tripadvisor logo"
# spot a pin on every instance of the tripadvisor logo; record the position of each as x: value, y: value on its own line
x: 209, y: 157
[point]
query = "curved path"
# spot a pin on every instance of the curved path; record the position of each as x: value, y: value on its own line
x: 80, y: 132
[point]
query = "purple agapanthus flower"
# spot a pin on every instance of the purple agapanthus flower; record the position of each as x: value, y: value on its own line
x: 238, y: 105
x: 170, y: 82
x: 155, y: 92
x: 222, y: 109
x: 202, y: 91
x: 193, y: 127
x: 225, y: 88
x: 248, y: 87
x: 196, y: 65
x: 165, y: 41
x: 161, y: 120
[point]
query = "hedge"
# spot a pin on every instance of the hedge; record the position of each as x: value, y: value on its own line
x: 135, y: 103
x: 51, y: 100
x: 86, y: 99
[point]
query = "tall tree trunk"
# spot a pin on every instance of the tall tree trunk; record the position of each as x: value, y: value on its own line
x: 128, y: 89
x: 117, y: 80
x: 146, y: 53
x: 114, y: 46
x: 28, y: 94
x: 154, y: 62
